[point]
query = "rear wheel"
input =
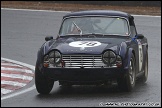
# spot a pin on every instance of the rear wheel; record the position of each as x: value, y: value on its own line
x: 127, y: 82
x: 43, y: 84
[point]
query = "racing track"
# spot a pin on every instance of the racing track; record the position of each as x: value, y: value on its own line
x: 23, y: 32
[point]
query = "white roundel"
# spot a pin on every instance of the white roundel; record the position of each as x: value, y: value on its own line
x: 85, y: 44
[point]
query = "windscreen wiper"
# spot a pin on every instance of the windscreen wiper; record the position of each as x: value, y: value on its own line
x: 94, y: 34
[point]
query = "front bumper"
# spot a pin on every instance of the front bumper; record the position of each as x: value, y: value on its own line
x: 85, y: 74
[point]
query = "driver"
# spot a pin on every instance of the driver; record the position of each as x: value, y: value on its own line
x: 84, y: 26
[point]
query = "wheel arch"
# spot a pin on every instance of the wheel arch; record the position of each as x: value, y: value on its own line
x: 129, y: 55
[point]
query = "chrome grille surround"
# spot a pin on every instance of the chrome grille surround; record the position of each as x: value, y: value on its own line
x: 83, y: 61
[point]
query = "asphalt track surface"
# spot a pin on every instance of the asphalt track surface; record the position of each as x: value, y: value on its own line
x: 23, y: 33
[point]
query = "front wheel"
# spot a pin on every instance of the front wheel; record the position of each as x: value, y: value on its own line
x: 127, y: 82
x: 43, y: 84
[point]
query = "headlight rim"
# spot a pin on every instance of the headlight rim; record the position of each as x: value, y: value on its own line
x: 54, y: 57
x: 108, y: 62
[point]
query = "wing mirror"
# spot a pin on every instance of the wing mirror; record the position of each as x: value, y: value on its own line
x: 47, y: 38
x: 139, y: 36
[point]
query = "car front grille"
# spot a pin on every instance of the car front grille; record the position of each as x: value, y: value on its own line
x: 83, y: 61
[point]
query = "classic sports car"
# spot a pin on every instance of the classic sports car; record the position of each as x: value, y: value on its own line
x: 93, y: 47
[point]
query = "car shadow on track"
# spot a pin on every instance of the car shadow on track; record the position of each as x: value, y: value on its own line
x: 92, y: 91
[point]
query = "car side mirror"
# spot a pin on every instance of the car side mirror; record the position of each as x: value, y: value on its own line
x: 140, y: 36
x: 47, y: 38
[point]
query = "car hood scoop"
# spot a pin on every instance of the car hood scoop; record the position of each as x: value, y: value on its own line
x: 86, y: 45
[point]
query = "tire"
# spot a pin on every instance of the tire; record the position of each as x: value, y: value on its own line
x: 43, y: 84
x: 127, y: 82
x: 145, y: 76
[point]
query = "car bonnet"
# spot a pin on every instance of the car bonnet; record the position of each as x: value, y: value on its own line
x: 86, y: 45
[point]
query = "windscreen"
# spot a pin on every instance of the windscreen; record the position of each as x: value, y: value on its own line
x: 94, y: 25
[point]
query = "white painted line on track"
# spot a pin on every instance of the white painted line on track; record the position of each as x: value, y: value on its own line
x: 18, y: 93
x: 63, y: 11
x: 20, y: 63
x: 22, y: 91
x: 23, y: 77
x: 18, y: 70
x: 13, y: 83
x: 9, y: 64
x: 145, y: 15
x: 5, y: 91
x: 35, y: 10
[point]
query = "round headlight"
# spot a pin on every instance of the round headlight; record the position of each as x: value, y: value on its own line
x: 46, y: 58
x: 57, y: 57
x: 54, y: 57
x: 51, y: 54
x: 109, y: 57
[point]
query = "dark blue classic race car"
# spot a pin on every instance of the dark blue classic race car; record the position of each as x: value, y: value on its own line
x: 93, y: 47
